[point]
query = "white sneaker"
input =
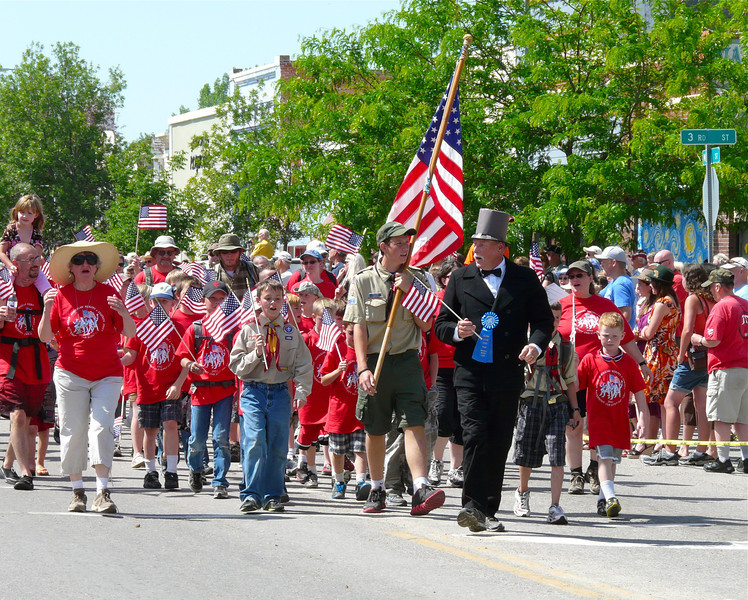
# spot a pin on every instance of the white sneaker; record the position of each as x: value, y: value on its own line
x: 556, y: 515
x: 522, y: 503
x: 138, y: 461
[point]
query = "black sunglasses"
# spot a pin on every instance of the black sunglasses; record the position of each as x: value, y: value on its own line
x: 79, y: 259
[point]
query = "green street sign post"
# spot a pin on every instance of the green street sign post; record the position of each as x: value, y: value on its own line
x: 712, y: 137
x: 709, y: 138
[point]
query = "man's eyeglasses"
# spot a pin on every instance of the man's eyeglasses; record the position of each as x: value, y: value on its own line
x: 36, y: 259
x: 79, y: 259
x: 165, y: 252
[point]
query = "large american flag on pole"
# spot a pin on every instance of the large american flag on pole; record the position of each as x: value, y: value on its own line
x: 155, y: 328
x: 344, y: 239
x: 85, y: 235
x: 152, y: 217
x: 329, y: 332
x: 420, y: 301
x: 224, y: 318
x: 535, y: 261
x: 440, y: 232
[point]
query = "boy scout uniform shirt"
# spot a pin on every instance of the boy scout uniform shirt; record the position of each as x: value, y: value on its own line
x: 567, y: 371
x: 367, y: 304
x: 294, y: 361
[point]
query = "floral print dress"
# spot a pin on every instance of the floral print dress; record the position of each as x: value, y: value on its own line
x: 661, y: 353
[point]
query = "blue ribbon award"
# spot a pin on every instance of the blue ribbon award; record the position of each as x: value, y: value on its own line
x: 483, y: 351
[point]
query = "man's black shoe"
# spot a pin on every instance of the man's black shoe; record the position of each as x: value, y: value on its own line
x: 24, y: 483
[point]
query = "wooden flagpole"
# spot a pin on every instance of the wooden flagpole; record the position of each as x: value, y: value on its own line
x: 467, y: 40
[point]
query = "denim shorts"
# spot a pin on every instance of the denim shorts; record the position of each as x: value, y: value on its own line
x: 685, y: 380
x: 608, y: 452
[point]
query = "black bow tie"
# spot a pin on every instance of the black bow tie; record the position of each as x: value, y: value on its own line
x: 487, y: 272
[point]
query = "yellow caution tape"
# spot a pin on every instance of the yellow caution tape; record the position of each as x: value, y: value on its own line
x: 682, y: 442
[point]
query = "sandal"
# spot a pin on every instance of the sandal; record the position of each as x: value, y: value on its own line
x: 634, y: 453
x: 42, y: 471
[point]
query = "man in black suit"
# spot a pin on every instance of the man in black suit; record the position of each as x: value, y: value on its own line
x: 492, y: 289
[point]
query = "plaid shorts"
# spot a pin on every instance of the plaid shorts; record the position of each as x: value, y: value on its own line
x: 528, y: 452
x: 151, y: 416
x: 344, y: 443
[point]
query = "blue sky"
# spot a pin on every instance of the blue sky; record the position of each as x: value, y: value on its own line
x: 168, y: 50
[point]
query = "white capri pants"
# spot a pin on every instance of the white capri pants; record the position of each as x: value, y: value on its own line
x: 86, y: 410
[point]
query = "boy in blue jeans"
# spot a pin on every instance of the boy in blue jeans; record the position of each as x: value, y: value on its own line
x: 265, y: 361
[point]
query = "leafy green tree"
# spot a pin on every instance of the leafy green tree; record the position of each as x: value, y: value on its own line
x: 218, y: 95
x: 570, y: 115
x: 137, y: 182
x: 56, y: 129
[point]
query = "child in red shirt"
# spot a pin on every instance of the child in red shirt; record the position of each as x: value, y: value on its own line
x: 610, y: 376
x: 213, y: 388
x: 346, y: 431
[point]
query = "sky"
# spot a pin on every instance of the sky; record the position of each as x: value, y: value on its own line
x: 167, y: 50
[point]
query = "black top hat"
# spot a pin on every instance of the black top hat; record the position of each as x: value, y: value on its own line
x: 492, y: 225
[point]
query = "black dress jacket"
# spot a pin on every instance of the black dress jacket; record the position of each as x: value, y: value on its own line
x: 521, y: 302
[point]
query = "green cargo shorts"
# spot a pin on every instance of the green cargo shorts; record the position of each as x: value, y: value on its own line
x: 401, y: 390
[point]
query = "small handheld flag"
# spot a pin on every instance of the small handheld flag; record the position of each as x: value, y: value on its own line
x: 420, y: 301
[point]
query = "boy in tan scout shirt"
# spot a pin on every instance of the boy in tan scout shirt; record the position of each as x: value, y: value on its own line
x: 401, y: 388
x: 265, y: 401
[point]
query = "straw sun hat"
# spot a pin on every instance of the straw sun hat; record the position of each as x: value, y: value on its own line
x: 108, y: 255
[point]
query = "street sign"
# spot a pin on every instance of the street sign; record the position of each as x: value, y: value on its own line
x: 715, y: 156
x: 711, y: 205
x: 701, y: 137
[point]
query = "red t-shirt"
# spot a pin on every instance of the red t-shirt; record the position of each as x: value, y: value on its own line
x: 423, y: 356
x: 728, y: 322
x: 315, y: 409
x: 341, y: 414
x: 156, y: 371
x: 588, y: 312
x: 326, y: 286
x: 306, y: 324
x: 183, y: 320
x: 158, y: 276
x: 25, y: 327
x: 87, y: 331
x: 214, y: 357
x: 609, y: 382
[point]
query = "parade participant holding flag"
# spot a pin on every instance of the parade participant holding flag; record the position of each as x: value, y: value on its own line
x: 206, y: 358
x: 159, y: 375
x: 401, y: 389
x: 86, y: 318
x: 498, y: 300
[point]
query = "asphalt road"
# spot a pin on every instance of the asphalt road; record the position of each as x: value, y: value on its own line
x: 682, y: 534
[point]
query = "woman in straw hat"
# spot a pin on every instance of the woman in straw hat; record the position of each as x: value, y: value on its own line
x: 86, y: 317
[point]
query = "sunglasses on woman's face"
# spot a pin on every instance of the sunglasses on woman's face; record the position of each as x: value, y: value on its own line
x: 79, y: 259
x: 577, y: 275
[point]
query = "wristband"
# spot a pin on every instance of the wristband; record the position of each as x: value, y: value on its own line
x: 575, y: 409
x: 362, y: 371
x: 642, y: 363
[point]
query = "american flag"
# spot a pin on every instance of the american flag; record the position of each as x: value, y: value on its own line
x: 440, y: 232
x: 210, y: 276
x: 196, y: 270
x: 284, y: 310
x: 152, y: 217
x: 535, y: 262
x: 329, y: 332
x: 275, y: 276
x: 248, y: 309
x: 224, y: 318
x: 155, y: 328
x: 133, y: 299
x: 116, y: 281
x: 85, y: 235
x: 193, y: 299
x: 44, y: 267
x: 420, y: 301
x: 117, y: 427
x: 344, y: 239
x: 6, y: 284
